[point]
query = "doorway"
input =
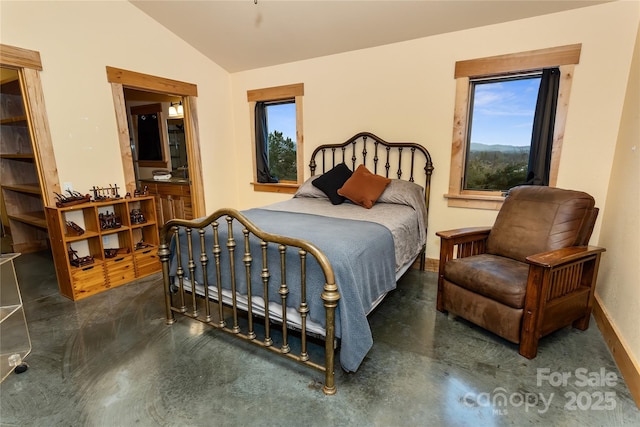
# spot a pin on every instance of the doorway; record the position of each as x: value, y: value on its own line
x: 127, y: 85
x: 29, y: 172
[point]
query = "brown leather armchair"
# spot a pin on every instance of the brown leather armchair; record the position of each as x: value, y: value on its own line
x: 531, y: 273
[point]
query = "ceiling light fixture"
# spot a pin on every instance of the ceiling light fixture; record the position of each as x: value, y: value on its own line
x: 176, y: 109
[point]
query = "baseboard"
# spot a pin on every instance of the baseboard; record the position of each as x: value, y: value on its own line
x: 431, y: 264
x: 624, y: 359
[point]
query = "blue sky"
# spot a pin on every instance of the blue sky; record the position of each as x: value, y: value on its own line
x: 282, y: 117
x: 503, y: 112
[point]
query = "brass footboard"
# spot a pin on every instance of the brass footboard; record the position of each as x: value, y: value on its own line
x: 182, y: 299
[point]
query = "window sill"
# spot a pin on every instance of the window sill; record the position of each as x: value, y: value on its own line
x: 474, y: 201
x: 286, y: 188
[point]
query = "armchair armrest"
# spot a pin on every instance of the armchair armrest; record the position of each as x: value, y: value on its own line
x: 460, y: 243
x: 469, y: 241
x: 465, y: 234
x: 561, y: 256
x: 560, y: 291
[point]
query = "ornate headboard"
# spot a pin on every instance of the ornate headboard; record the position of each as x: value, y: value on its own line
x: 378, y: 156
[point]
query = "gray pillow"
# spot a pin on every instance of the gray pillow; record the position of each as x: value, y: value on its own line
x: 307, y: 189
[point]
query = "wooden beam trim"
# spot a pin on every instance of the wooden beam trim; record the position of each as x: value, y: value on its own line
x: 522, y: 61
x: 562, y: 110
x: 458, y: 147
x: 139, y: 110
x: 276, y: 93
x: 16, y: 57
x: 123, y: 137
x: 299, y: 142
x: 192, y: 133
x: 252, y: 121
x: 135, y: 80
x: 41, y: 136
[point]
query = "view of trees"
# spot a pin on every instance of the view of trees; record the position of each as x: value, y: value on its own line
x: 282, y: 157
x: 496, y: 170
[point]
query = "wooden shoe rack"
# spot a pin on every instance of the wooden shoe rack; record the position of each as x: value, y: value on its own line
x: 100, y: 245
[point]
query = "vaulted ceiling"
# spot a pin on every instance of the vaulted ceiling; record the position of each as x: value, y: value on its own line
x: 246, y: 34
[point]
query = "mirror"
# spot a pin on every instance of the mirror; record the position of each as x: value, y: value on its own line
x: 149, y: 136
x: 157, y: 133
x: 177, y: 145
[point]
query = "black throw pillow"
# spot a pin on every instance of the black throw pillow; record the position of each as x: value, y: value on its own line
x: 329, y: 182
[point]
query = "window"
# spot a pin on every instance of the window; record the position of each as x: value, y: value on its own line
x: 276, y: 119
x: 280, y: 120
x: 503, y: 135
x: 501, y: 114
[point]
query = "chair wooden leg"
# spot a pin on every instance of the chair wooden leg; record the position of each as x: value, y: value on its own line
x: 529, y: 347
x: 583, y: 322
x: 440, y: 296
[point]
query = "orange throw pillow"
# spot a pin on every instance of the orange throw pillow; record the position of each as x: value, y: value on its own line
x: 364, y: 187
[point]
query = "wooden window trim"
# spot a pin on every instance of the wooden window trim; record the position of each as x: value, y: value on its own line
x: 278, y: 93
x: 279, y: 187
x: 566, y: 57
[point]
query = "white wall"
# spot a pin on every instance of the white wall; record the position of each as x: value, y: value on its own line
x: 405, y: 91
x: 619, y: 279
x: 77, y: 40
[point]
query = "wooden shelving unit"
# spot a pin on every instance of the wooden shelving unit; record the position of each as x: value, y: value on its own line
x: 21, y: 189
x: 138, y: 244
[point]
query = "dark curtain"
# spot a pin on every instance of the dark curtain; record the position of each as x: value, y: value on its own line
x: 262, y: 138
x: 543, y: 124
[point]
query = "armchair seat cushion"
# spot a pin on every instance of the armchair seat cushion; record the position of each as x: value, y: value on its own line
x: 493, y: 276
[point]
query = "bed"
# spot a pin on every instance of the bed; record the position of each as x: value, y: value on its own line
x: 314, y: 265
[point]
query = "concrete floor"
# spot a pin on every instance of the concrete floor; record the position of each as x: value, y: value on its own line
x: 110, y: 360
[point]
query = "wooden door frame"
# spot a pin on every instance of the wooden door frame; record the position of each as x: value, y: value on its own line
x: 28, y: 64
x: 119, y: 79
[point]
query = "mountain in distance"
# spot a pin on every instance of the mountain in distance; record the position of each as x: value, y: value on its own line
x: 477, y: 146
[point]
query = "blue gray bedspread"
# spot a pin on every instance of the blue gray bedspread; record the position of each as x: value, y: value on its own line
x: 361, y: 254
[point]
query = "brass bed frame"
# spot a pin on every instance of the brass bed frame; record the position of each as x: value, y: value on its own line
x: 180, y: 299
